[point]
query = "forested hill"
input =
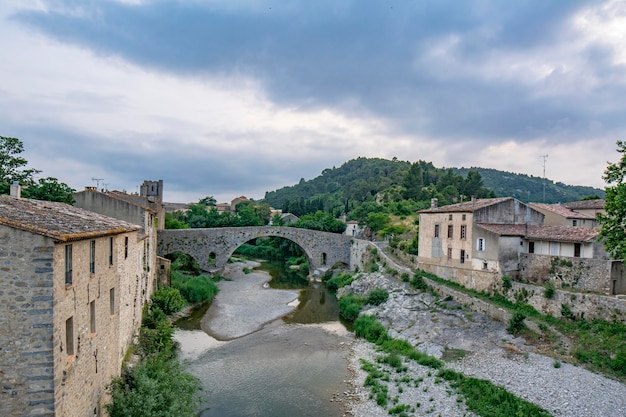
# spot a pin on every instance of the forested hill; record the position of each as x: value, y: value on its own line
x: 529, y: 188
x: 340, y: 190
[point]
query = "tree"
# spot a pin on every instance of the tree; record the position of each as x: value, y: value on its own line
x: 613, y: 222
x: 208, y: 201
x: 11, y: 165
x: 50, y: 189
x: 413, y: 182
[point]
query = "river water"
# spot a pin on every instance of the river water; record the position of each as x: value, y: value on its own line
x: 268, y: 352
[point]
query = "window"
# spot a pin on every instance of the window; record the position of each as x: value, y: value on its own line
x: 111, y: 251
x: 463, y: 232
x: 449, y: 253
x: 68, y: 265
x: 450, y: 231
x: 462, y: 259
x: 574, y: 223
x: 531, y: 247
x: 112, y: 301
x: 436, y: 230
x: 463, y: 217
x: 554, y: 248
x: 450, y: 217
x: 92, y: 316
x: 485, y: 266
x: 92, y: 257
x: 480, y: 244
x: 126, y: 247
x: 69, y: 336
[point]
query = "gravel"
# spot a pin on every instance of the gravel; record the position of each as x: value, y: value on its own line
x: 438, y: 328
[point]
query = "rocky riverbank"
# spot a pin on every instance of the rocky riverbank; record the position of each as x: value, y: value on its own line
x: 475, y: 345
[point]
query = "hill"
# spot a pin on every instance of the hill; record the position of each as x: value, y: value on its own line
x: 340, y: 190
x: 530, y: 188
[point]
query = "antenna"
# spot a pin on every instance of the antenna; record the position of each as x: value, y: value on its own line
x: 97, y: 180
x: 544, y: 175
x: 106, y: 186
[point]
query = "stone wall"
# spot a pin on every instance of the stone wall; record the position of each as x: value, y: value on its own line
x: 26, y: 301
x: 567, y: 272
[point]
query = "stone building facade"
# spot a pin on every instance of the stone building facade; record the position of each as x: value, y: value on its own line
x: 73, y: 286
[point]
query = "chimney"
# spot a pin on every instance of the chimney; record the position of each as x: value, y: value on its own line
x: 473, y: 199
x: 88, y: 188
x: 433, y: 203
x: 16, y: 190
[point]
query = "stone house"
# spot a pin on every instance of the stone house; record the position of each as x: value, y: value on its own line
x: 146, y: 210
x: 73, y: 288
x: 454, y: 245
x: 352, y: 228
x: 589, y: 207
x: 559, y: 215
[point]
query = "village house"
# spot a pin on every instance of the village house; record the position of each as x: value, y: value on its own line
x: 145, y: 209
x: 476, y: 243
x: 559, y: 215
x: 589, y: 207
x: 73, y: 286
x: 352, y: 228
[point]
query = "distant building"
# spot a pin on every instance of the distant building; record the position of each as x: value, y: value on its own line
x: 352, y: 228
x: 559, y: 215
x: 73, y: 290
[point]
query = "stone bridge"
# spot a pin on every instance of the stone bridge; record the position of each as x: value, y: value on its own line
x: 211, y: 248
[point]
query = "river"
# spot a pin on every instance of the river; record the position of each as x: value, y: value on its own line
x: 253, y: 363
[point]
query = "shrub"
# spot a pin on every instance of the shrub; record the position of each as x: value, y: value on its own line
x: 155, y: 387
x: 370, y: 329
x: 566, y: 312
x: 168, y: 300
x: 506, y: 282
x: 405, y: 277
x: 339, y: 281
x: 548, y: 292
x: 516, y: 323
x: 194, y: 289
x: 377, y: 296
x: 418, y: 283
x: 350, y: 306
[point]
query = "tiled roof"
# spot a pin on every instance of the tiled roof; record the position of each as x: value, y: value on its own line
x: 585, y: 204
x: 58, y: 221
x: 468, y: 206
x: 551, y: 233
x: 560, y: 210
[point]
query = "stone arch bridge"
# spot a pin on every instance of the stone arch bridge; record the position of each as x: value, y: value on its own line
x: 212, y: 248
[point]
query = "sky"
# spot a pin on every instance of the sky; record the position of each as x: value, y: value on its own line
x: 232, y: 97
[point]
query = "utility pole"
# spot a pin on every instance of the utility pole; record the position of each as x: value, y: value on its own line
x: 544, y: 175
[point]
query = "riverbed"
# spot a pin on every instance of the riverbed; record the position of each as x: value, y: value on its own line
x: 253, y: 363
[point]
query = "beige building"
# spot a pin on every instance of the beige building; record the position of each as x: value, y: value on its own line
x: 454, y: 245
x: 589, y: 207
x: 73, y: 286
x: 559, y: 215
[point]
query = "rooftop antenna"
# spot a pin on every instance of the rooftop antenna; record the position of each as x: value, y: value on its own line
x: 106, y: 186
x: 97, y: 180
x: 544, y: 175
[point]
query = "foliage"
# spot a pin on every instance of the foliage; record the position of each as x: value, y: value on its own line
x: 516, y: 323
x: 324, y: 222
x: 338, y: 281
x: 377, y: 296
x: 350, y: 306
x: 156, y: 387
x: 50, y: 189
x: 506, y: 282
x: 205, y: 215
x: 194, y: 289
x: 183, y: 262
x: 549, y: 290
x: 172, y: 222
x: 613, y: 220
x: 168, y: 300
x: 12, y: 165
x: 370, y: 329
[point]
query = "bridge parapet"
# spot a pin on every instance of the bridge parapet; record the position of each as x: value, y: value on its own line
x: 212, y: 248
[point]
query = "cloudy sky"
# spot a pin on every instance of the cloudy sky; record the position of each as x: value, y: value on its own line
x: 232, y: 97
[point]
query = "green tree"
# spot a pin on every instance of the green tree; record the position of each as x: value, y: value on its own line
x: 12, y: 165
x: 413, y: 182
x: 208, y: 201
x: 50, y: 189
x: 321, y: 221
x: 613, y: 222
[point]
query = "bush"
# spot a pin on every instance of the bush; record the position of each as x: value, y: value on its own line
x: 516, y: 324
x: 506, y: 282
x: 370, y: 329
x: 155, y: 387
x: 405, y: 277
x: 377, y: 296
x: 168, y: 300
x: 350, y: 306
x: 418, y: 283
x: 339, y: 281
x: 196, y: 289
x: 548, y: 292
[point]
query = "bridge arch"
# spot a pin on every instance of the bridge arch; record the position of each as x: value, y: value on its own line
x: 212, y: 248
